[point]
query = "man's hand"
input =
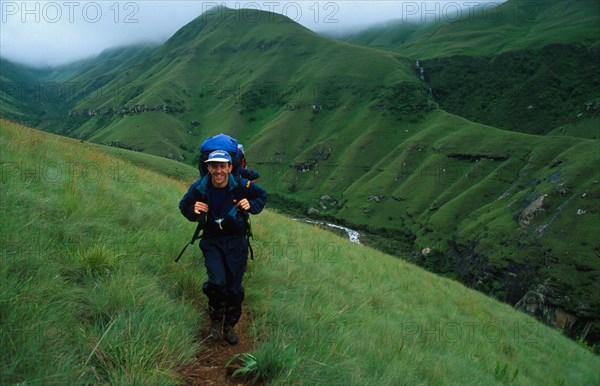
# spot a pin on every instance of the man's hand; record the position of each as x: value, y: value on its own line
x: 244, y: 204
x: 200, y: 207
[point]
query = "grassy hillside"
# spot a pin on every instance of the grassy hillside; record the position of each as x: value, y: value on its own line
x: 91, y: 294
x: 105, y: 67
x: 527, y: 66
x: 466, y: 191
x: 355, y: 134
x: 44, y: 97
x: 19, y: 92
x: 342, y: 314
x: 511, y: 26
x: 235, y: 71
x: 386, y: 36
x: 549, y: 90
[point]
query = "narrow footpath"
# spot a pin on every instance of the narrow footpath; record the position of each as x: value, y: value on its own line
x: 209, y: 366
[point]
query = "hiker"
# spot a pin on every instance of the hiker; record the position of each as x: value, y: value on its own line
x: 224, y: 201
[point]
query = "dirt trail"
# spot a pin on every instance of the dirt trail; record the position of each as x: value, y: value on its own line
x: 209, y: 366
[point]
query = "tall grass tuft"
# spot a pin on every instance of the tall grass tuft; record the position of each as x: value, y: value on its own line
x: 88, y: 288
x: 271, y: 359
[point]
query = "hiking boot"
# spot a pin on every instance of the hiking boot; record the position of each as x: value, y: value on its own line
x: 229, y: 335
x: 214, y: 331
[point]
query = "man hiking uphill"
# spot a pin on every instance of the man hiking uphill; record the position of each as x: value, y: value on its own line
x: 223, y: 201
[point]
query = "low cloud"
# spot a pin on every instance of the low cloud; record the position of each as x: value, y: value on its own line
x: 52, y: 33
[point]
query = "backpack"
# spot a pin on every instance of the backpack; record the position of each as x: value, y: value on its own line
x: 220, y: 142
x: 241, y: 155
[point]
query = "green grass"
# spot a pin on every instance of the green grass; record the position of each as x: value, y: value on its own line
x: 445, y: 182
x: 512, y: 98
x: 356, y: 316
x: 378, y: 103
x: 164, y: 166
x: 526, y: 66
x: 90, y: 292
x: 460, y: 188
x: 511, y: 26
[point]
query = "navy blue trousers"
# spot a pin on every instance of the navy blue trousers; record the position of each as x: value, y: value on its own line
x: 225, y: 259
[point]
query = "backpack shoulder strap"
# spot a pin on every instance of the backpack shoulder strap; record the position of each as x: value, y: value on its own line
x: 240, y: 192
x: 195, y: 237
x: 199, y: 228
x: 241, y: 189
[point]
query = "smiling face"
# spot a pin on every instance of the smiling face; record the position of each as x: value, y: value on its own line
x: 219, y: 172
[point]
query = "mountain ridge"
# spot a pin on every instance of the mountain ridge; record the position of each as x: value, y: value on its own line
x: 516, y: 25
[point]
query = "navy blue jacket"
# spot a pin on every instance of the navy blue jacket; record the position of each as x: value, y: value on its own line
x: 228, y: 220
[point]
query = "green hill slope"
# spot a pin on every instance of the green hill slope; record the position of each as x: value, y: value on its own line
x: 88, y: 290
x: 354, y: 134
x: 469, y: 192
x: 227, y: 72
x: 105, y: 67
x: 527, y: 66
x: 511, y: 26
x: 44, y: 97
x: 90, y: 293
x: 384, y: 37
x: 551, y: 90
x: 19, y: 93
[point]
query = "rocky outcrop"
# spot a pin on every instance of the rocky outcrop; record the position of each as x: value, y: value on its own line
x: 531, y: 211
x: 326, y: 202
x: 176, y: 156
x: 126, y: 110
x: 317, y: 154
x: 535, y: 303
x: 375, y: 198
x: 124, y: 146
x: 313, y: 212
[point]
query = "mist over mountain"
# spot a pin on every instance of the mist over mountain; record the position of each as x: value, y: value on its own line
x: 468, y: 147
x: 43, y: 34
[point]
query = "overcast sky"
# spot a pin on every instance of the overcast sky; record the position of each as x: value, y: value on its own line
x: 50, y: 33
